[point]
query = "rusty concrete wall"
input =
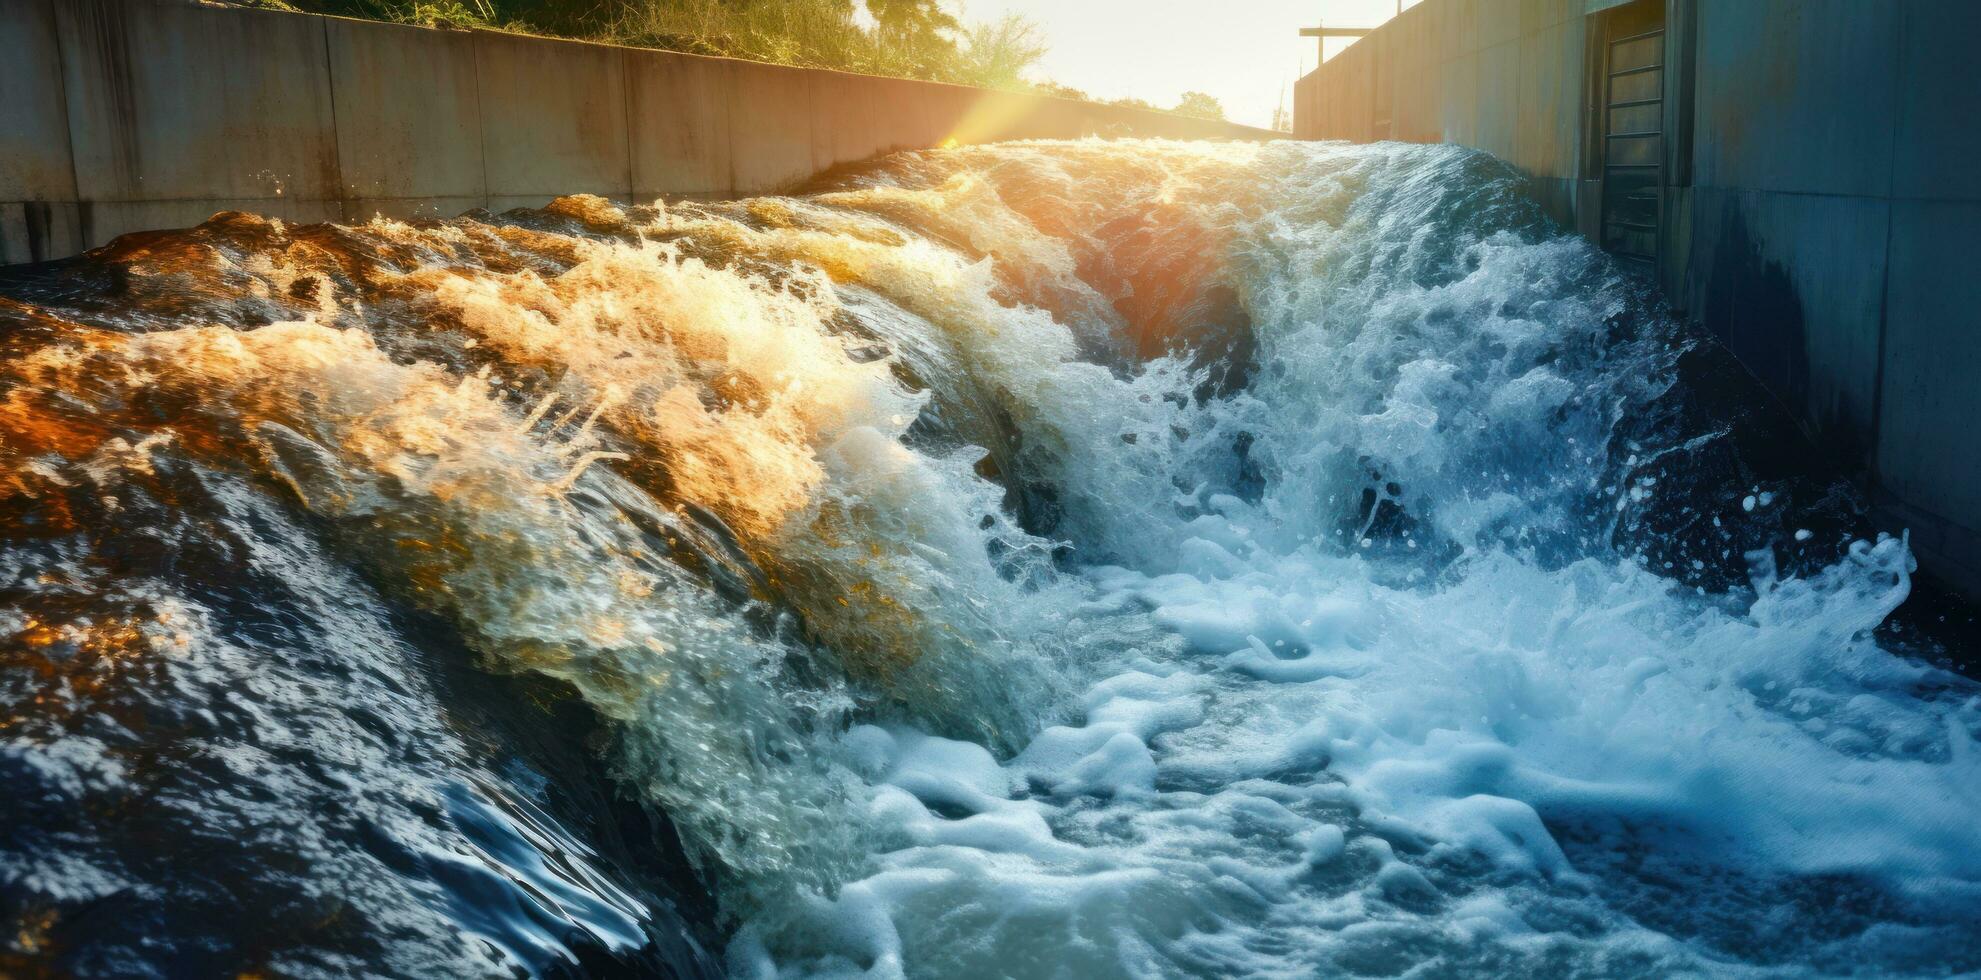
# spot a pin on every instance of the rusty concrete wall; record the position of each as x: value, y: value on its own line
x: 122, y: 115
x: 1819, y: 201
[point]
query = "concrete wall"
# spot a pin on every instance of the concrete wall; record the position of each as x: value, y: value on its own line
x: 1502, y: 75
x: 1820, y: 200
x: 124, y: 115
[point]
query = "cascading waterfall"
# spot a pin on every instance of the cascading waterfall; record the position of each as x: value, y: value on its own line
x: 1056, y: 559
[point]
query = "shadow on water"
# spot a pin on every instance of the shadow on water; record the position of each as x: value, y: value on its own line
x: 1798, y: 488
x: 574, y: 878
x: 271, y: 769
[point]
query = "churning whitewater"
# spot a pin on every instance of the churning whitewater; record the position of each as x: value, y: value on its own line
x: 1044, y: 560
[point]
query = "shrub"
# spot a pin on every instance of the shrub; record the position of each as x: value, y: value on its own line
x: 904, y: 38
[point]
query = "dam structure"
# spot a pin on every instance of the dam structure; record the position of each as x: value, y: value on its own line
x: 730, y: 520
x: 1797, y: 177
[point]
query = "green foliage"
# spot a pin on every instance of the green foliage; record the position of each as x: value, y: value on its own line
x: 1200, y: 105
x: 904, y: 38
x: 427, y: 13
x: 997, y: 54
x: 449, y: 13
x: 908, y: 38
x: 1061, y: 91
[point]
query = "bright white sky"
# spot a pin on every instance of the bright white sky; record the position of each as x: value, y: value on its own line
x: 1241, y: 51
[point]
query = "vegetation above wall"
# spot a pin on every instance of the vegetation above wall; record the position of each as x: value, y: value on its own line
x: 922, y: 39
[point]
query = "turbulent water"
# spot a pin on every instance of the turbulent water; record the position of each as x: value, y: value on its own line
x: 1081, y: 559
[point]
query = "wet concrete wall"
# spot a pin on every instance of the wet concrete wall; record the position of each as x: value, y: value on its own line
x: 1819, y: 200
x: 124, y: 115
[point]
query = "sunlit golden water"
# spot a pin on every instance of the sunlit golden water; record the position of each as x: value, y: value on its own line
x: 1117, y: 533
x: 513, y: 422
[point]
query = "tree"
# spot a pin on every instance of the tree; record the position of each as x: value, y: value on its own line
x: 906, y: 38
x: 918, y: 32
x: 1200, y: 105
x: 1052, y: 88
x: 912, y: 18
x: 997, y: 54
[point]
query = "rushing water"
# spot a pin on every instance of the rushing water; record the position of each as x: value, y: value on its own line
x: 1090, y: 559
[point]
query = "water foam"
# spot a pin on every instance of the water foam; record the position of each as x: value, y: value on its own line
x: 1411, y: 682
x: 1094, y: 558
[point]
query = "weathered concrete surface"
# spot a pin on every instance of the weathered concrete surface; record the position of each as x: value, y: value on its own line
x: 124, y: 115
x: 38, y: 216
x: 681, y: 145
x: 1929, y: 445
x: 165, y: 109
x: 770, y: 127
x: 553, y: 116
x: 1501, y: 75
x: 1819, y: 199
x: 400, y: 156
x: 1832, y: 143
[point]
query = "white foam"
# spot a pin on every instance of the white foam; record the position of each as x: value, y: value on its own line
x: 1344, y: 764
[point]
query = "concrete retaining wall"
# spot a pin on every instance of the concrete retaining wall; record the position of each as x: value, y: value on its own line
x: 123, y: 115
x: 1819, y: 199
x: 1501, y: 75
